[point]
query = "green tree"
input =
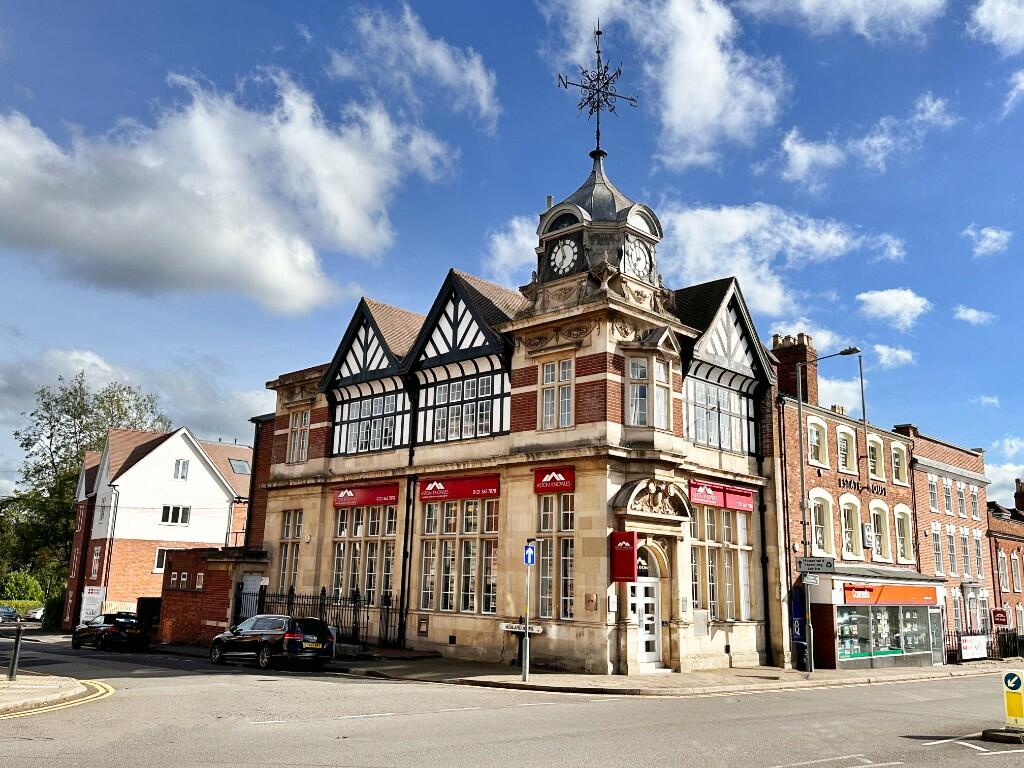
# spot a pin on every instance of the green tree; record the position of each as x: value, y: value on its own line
x: 68, y: 419
x: 18, y: 585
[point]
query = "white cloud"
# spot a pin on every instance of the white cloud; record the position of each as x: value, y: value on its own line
x: 1002, y: 477
x: 1009, y: 446
x: 1001, y: 23
x: 807, y: 161
x: 6, y: 487
x: 973, y: 316
x: 303, y: 31
x: 756, y: 243
x: 987, y: 240
x: 398, y: 50
x: 215, y: 196
x: 510, y: 256
x: 1016, y: 92
x: 825, y: 339
x: 986, y: 401
x: 191, y: 391
x: 705, y: 90
x: 872, y: 19
x: 892, y: 135
x: 900, y: 307
x: 893, y: 357
x: 844, y: 392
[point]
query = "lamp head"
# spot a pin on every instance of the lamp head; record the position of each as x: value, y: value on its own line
x: 850, y: 351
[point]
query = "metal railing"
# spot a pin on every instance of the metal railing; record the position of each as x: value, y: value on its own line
x: 1000, y: 644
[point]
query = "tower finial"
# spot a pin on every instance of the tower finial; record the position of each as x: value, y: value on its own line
x: 597, y: 89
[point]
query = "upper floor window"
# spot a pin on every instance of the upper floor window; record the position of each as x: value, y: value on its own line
x: 288, y: 566
x: 174, y: 515
x: 647, y: 377
x: 291, y: 524
x: 846, y: 444
x: 1015, y: 572
x: 876, y: 464
x: 961, y: 499
x: 461, y: 409
x: 852, y: 544
x: 556, y: 394
x: 882, y: 548
x: 821, y: 521
x: 298, y: 436
x: 181, y: 469
x: 160, y: 561
x: 95, y: 562
x: 817, y: 442
x: 933, y: 493
x: 638, y: 391
x: 1004, y: 581
x: 369, y: 423
x: 904, y: 534
x: 899, y: 464
x: 947, y: 494
x: 975, y: 509
x: 240, y: 466
x: 719, y: 417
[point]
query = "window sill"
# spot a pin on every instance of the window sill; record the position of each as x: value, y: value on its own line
x: 882, y: 560
x: 158, y: 571
x: 905, y: 561
x: 853, y: 557
x: 815, y: 552
x: 819, y: 465
x: 846, y: 471
x: 902, y: 483
x: 879, y: 478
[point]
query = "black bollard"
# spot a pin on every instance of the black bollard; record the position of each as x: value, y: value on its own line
x: 12, y: 669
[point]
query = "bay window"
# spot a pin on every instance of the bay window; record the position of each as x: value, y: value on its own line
x: 638, y: 387
x: 719, y: 417
x: 662, y: 395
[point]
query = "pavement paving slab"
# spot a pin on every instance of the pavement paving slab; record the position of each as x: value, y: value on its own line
x: 33, y: 691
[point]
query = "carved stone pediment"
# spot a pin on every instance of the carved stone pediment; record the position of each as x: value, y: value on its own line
x: 662, y: 498
x: 300, y: 393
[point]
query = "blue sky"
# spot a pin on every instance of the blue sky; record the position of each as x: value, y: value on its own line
x: 193, y: 198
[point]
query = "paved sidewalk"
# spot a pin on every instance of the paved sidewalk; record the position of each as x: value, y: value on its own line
x: 33, y: 691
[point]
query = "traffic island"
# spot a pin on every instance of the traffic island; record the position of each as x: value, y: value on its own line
x: 1003, y: 735
x: 34, y: 691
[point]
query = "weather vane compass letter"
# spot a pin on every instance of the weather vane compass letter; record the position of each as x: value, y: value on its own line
x: 597, y: 88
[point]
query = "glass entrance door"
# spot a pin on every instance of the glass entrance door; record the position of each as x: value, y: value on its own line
x: 644, y: 599
x: 938, y: 638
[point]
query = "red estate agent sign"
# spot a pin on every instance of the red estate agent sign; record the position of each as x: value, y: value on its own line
x: 446, y: 488
x: 623, y: 555
x: 366, y: 495
x: 1000, y: 617
x: 725, y: 496
x: 554, y: 480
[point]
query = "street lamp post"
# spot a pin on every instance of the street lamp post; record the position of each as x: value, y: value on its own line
x: 808, y: 629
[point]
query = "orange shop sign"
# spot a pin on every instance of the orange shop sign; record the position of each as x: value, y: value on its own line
x: 888, y: 594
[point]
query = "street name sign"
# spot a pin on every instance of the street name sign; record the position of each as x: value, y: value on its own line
x: 816, y: 565
x: 516, y: 627
x: 812, y: 580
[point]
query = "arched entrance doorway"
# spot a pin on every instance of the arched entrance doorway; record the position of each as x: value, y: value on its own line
x: 645, y: 606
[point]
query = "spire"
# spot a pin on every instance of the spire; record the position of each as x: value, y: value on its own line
x: 598, y: 196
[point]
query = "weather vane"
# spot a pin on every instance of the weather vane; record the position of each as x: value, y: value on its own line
x: 597, y: 89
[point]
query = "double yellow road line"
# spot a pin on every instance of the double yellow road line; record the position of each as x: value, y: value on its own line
x: 97, y: 691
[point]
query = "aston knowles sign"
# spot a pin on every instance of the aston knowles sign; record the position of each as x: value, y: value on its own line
x: 875, y: 489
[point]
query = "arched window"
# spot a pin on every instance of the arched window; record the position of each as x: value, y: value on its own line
x: 876, y: 458
x: 1015, y: 571
x: 882, y: 546
x: 562, y: 221
x: 822, y: 535
x: 899, y: 463
x: 1004, y: 581
x: 849, y: 514
x: 904, y: 533
x: 846, y: 442
x: 817, y: 442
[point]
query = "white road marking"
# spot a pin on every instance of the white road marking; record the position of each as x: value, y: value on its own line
x: 880, y: 765
x: 950, y: 741
x: 972, y: 746
x: 820, y: 761
x: 1003, y: 752
x: 459, y: 709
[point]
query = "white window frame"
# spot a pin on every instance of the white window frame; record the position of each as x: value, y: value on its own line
x: 175, y: 514
x: 158, y: 567
x: 902, y: 511
x: 899, y: 449
x: 940, y: 569
x: 816, y: 497
x: 879, y: 444
x: 961, y: 500
x: 975, y: 505
x: 95, y: 562
x: 298, y: 436
x: 817, y: 427
x: 181, y: 469
x: 1003, y: 572
x: 557, y: 389
x: 947, y: 496
x: 879, y: 510
x: 950, y: 541
x: 851, y: 502
x: 1015, y: 571
x: 850, y: 468
x: 639, y: 416
x: 933, y: 493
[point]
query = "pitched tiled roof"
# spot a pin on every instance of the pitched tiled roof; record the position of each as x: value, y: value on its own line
x: 697, y: 305
x: 91, y: 466
x: 495, y: 303
x: 220, y: 453
x: 126, y: 447
x: 399, y: 326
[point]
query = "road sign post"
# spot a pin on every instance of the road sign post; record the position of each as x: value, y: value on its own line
x: 529, y: 557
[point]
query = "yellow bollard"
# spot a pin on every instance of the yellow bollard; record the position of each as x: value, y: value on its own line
x: 1013, y: 699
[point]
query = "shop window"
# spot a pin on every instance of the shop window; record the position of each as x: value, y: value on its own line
x: 817, y: 442
x: 876, y: 464
x: 458, y: 560
x: 298, y: 436
x: 933, y: 493
x: 846, y: 449
x: 556, y: 555
x: 720, y: 563
x: 556, y: 394
x: 718, y: 417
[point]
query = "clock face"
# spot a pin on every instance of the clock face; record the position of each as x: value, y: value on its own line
x: 638, y: 258
x: 563, y: 256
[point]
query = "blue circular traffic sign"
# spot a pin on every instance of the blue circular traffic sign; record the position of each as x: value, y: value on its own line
x: 1012, y: 681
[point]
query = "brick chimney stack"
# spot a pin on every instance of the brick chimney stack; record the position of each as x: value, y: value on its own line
x: 791, y: 350
x: 1018, y: 495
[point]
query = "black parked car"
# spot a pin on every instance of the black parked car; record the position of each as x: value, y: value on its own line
x: 271, y: 637
x: 109, y: 630
x: 8, y: 615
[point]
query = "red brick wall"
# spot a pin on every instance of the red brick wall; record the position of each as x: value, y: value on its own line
x: 320, y: 442
x: 131, y: 567
x: 1006, y: 537
x: 76, y: 568
x: 194, y: 616
x: 262, y: 456
x: 601, y: 362
x: 524, y: 377
x: 281, y: 441
x: 524, y: 411
x: 599, y: 401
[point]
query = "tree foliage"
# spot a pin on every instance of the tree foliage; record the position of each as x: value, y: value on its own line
x: 69, y: 418
x: 18, y: 585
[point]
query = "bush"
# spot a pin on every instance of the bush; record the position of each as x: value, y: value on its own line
x: 18, y: 585
x: 54, y: 613
x: 22, y: 605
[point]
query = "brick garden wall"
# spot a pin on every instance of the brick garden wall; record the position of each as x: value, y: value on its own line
x: 193, y: 614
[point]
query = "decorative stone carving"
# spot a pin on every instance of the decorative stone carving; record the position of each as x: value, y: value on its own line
x: 577, y: 332
x: 300, y: 392
x: 658, y: 497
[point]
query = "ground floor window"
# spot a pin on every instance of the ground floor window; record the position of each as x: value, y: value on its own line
x: 720, y: 563
x: 459, y: 556
x: 364, y: 552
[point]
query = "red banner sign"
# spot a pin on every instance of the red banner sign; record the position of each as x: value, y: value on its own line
x: 623, y: 546
x: 366, y: 495
x: 554, y: 480
x: 1000, y: 617
x: 725, y: 496
x: 445, y: 488
x: 888, y: 594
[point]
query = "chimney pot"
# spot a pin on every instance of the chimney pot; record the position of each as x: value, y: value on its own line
x: 551, y: 202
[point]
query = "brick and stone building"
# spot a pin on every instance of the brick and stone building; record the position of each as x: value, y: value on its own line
x: 623, y: 426
x: 145, y: 494
x: 952, y: 525
x: 879, y: 608
x: 1006, y: 550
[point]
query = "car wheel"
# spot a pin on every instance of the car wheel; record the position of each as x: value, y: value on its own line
x: 265, y: 657
x: 102, y: 644
x: 217, y: 653
x: 75, y: 642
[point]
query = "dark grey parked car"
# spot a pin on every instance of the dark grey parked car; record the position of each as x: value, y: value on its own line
x: 271, y: 637
x: 8, y: 615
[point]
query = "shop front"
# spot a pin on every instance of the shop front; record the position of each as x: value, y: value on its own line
x: 872, y: 625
